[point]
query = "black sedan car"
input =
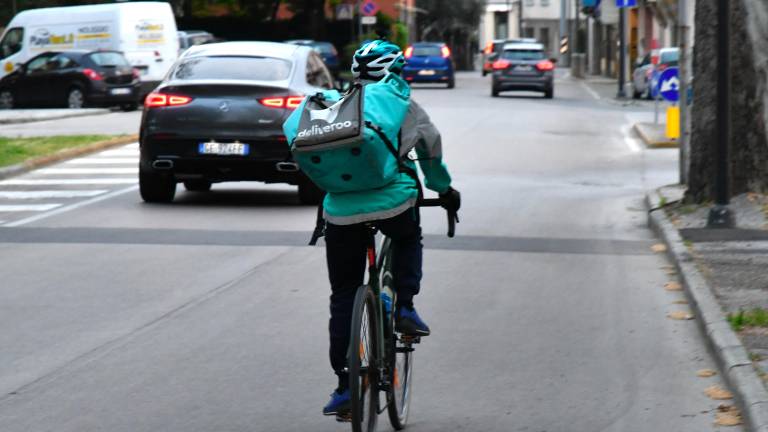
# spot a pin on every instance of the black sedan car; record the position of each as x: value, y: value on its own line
x: 523, y: 66
x: 73, y: 79
x: 218, y: 117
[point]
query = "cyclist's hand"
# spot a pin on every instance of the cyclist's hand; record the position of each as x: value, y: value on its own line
x: 451, y: 199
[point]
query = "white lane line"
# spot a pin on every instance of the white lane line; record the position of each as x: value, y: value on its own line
x: 103, y: 161
x: 28, y: 208
x: 590, y: 91
x: 40, y: 194
x: 629, y: 140
x: 68, y: 171
x: 72, y: 207
x: 86, y: 181
x: 119, y: 152
x: 132, y: 146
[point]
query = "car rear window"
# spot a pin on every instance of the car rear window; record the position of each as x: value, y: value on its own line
x: 523, y: 55
x: 669, y: 57
x: 108, y: 59
x: 325, y: 48
x: 427, y: 51
x: 233, y: 68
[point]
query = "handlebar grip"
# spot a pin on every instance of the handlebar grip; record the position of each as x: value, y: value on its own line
x: 453, y: 217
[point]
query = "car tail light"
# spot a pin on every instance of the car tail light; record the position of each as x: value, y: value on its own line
x: 500, y: 64
x: 445, y: 51
x: 545, y: 65
x: 92, y: 74
x: 156, y: 100
x: 409, y: 52
x: 290, y: 102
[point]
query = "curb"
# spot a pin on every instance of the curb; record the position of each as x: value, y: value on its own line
x: 70, y: 153
x: 21, y: 120
x: 729, y: 352
x: 650, y: 142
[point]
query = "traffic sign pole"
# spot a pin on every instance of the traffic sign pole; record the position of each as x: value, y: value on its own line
x: 622, y: 52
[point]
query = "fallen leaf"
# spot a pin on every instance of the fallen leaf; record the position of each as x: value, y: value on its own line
x: 670, y: 272
x: 706, y: 373
x: 718, y: 393
x: 673, y: 286
x: 680, y: 315
x: 659, y: 247
x: 727, y: 415
x: 680, y: 302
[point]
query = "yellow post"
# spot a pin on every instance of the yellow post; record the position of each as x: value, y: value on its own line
x: 673, y: 122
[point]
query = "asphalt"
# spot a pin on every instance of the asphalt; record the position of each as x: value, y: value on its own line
x: 548, y: 312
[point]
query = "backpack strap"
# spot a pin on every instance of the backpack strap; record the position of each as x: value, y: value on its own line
x: 401, y: 165
x: 319, y: 226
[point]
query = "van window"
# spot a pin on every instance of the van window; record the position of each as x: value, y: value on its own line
x: 11, y: 43
x: 233, y: 68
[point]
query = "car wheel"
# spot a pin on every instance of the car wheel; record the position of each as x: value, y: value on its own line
x: 309, y: 193
x: 156, y: 188
x: 6, y: 99
x: 549, y: 93
x: 451, y: 83
x: 494, y: 92
x: 485, y: 72
x: 75, y: 98
x: 200, y: 185
x: 129, y: 106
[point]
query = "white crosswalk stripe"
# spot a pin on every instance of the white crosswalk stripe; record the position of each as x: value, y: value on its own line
x: 119, y: 152
x: 68, y: 182
x: 103, y: 161
x: 68, y: 171
x: 41, y: 194
x: 28, y: 208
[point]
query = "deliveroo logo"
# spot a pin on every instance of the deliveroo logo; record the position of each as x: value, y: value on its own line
x: 328, y: 116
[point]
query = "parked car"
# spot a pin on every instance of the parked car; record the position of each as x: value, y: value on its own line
x: 494, y: 47
x: 429, y: 62
x: 189, y: 38
x: 145, y: 32
x: 523, y: 66
x: 646, y: 74
x: 73, y: 79
x: 327, y: 52
x: 218, y: 117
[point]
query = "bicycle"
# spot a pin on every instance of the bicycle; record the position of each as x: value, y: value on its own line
x: 379, y: 359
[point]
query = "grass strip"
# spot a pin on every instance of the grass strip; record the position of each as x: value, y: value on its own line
x: 16, y: 150
x: 753, y: 318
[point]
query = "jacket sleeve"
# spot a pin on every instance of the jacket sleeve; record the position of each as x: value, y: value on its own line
x: 420, y: 133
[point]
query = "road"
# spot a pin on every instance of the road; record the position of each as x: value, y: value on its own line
x: 547, y: 310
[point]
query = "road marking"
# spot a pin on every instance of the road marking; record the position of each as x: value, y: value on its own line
x: 119, y: 152
x: 69, y: 171
x: 50, y: 194
x: 629, y: 140
x: 103, y: 161
x: 87, y: 181
x: 132, y: 146
x: 72, y: 207
x: 28, y: 208
x: 590, y: 91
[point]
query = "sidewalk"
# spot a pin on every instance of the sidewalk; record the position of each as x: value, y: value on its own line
x: 723, y: 272
x: 14, y: 116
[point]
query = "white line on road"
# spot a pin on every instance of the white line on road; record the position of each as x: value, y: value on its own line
x: 68, y: 171
x: 86, y: 181
x: 132, y: 146
x: 72, y: 207
x: 103, y: 161
x: 119, y: 152
x: 629, y: 140
x: 50, y: 194
x: 28, y: 208
x: 590, y: 91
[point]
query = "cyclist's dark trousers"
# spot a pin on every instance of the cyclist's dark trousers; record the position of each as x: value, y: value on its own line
x: 346, y: 254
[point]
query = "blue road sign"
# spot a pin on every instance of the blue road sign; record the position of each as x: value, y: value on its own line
x: 369, y: 8
x: 626, y: 3
x: 669, y: 84
x: 589, y: 3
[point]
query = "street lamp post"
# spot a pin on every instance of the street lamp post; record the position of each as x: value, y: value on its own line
x: 622, y: 52
x: 720, y: 215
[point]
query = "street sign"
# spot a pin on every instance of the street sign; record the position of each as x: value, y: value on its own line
x: 368, y: 20
x: 626, y: 3
x: 345, y: 11
x: 369, y: 8
x: 669, y: 84
x: 589, y: 3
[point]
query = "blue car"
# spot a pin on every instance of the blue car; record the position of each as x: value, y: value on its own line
x: 326, y: 50
x: 429, y: 62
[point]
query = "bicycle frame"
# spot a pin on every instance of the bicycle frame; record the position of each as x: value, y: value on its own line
x: 375, y: 265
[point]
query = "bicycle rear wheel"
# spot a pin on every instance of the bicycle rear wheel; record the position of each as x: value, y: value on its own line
x: 363, y: 370
x: 400, y: 365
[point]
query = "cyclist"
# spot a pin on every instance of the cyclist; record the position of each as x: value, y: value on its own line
x: 392, y: 209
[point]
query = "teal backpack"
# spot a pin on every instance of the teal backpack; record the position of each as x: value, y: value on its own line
x: 349, y: 142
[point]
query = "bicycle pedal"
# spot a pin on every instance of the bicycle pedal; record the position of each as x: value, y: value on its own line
x: 344, y: 417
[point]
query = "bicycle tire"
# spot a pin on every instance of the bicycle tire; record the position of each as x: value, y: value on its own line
x: 363, y: 370
x: 399, y: 364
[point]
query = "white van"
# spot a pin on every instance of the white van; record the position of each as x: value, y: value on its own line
x: 144, y: 31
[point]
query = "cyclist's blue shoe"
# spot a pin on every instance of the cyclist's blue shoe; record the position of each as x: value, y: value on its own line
x: 339, y: 403
x: 408, y: 322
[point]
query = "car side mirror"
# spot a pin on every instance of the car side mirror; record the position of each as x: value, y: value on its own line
x: 553, y: 60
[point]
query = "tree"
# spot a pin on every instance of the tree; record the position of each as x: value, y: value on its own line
x: 454, y: 22
x: 749, y: 65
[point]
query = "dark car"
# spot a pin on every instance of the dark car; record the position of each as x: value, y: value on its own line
x: 326, y: 50
x: 218, y: 117
x: 188, y: 38
x: 73, y: 79
x: 429, y: 62
x: 523, y: 66
x: 493, y: 49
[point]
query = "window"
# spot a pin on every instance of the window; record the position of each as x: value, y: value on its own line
x: 40, y: 63
x: 11, y: 43
x: 520, y: 54
x: 544, y: 38
x: 61, y: 62
x: 529, y: 3
x: 233, y: 68
x: 545, y: 3
x: 427, y: 51
x: 317, y: 73
x: 107, y: 58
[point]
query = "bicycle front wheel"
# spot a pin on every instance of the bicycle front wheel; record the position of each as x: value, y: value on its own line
x: 363, y: 368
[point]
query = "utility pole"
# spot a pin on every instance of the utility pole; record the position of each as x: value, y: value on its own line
x: 683, y: 142
x: 720, y: 215
x: 520, y: 20
x: 563, y: 31
x: 576, y: 46
x: 622, y: 52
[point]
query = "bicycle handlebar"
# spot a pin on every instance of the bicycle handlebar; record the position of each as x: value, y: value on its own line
x: 453, y: 216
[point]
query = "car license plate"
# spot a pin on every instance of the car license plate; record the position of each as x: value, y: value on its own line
x: 523, y: 68
x: 223, y: 149
x: 426, y: 72
x: 120, y: 91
